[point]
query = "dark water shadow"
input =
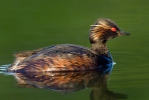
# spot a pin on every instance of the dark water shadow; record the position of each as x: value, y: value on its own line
x: 67, y: 82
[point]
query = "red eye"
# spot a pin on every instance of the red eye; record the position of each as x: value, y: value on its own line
x: 113, y: 29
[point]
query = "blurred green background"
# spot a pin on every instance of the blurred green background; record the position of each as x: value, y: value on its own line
x: 32, y: 24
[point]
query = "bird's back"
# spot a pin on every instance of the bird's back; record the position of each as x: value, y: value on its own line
x: 64, y: 57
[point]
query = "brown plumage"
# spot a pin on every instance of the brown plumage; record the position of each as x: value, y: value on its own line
x: 69, y: 57
x: 67, y: 82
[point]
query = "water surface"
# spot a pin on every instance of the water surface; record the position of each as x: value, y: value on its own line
x: 30, y: 24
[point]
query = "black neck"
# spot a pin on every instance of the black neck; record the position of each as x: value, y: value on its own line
x: 100, y: 48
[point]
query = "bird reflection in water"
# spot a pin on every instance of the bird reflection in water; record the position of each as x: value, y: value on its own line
x: 67, y: 82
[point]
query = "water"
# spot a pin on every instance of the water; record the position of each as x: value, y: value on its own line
x: 69, y: 82
x: 28, y: 25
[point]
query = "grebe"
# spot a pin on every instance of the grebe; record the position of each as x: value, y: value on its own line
x: 70, y: 57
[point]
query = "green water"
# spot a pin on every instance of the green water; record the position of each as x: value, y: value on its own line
x: 32, y: 24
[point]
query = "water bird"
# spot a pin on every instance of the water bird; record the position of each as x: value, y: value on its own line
x: 68, y: 82
x: 71, y: 57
